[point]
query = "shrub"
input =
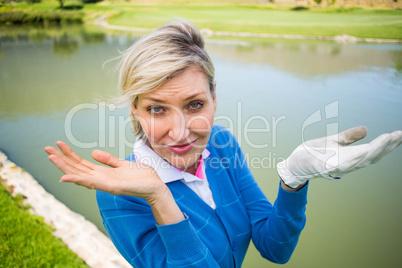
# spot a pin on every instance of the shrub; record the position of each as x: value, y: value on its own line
x: 40, y: 17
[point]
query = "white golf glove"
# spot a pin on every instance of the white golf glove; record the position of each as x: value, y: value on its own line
x: 331, y: 158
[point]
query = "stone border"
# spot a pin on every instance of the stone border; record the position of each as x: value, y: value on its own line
x: 80, y: 235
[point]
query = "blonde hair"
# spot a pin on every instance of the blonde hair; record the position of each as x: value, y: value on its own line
x: 157, y: 57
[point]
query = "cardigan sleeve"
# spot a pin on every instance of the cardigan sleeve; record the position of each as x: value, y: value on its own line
x: 275, y: 228
x: 131, y: 226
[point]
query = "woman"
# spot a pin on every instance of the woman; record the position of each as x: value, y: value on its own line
x: 186, y: 197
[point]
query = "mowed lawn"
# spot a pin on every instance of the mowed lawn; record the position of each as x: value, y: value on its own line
x: 325, y: 21
x: 385, y: 24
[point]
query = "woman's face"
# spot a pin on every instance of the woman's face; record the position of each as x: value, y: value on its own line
x: 177, y: 118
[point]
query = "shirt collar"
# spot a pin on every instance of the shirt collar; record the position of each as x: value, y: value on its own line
x: 166, y: 172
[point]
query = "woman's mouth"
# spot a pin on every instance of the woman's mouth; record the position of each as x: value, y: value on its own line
x: 182, y: 148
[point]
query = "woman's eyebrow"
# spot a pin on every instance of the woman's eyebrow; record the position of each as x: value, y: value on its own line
x: 193, y: 96
x: 152, y: 99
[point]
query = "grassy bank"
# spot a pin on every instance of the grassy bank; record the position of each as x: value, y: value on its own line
x: 26, y: 241
x: 385, y: 24
x: 328, y: 21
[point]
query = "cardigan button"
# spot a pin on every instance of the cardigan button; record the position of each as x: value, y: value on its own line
x: 234, y: 246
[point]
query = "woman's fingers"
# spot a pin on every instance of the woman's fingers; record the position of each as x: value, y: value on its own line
x: 88, y: 182
x: 75, y: 157
x: 51, y: 150
x: 106, y: 158
x: 61, y: 164
x: 75, y: 160
x: 69, y: 178
x: 91, y: 182
x: 383, y: 144
x: 352, y: 135
x: 78, y: 167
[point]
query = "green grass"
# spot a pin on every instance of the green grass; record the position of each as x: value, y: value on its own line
x: 356, y: 22
x: 328, y: 21
x: 26, y: 241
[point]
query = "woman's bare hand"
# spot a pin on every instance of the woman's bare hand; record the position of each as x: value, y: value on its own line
x: 120, y: 178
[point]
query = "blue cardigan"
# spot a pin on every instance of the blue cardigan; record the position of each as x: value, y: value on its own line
x: 208, y: 237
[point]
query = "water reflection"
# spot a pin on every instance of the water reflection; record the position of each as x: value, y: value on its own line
x: 310, y: 57
x: 65, y: 41
x: 65, y: 45
x: 38, y: 36
x: 93, y: 37
x: 35, y: 82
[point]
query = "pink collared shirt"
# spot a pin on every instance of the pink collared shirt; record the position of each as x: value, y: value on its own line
x: 168, y: 173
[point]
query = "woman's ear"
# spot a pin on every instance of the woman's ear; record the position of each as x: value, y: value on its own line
x: 134, y: 109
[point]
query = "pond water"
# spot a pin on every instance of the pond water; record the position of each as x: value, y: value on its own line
x: 50, y: 80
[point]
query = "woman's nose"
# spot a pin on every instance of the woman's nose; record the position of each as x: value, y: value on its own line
x: 178, y: 130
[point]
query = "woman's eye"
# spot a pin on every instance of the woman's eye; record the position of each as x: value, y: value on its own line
x: 155, y: 109
x: 194, y: 106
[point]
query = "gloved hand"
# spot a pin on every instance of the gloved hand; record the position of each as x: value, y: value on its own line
x: 331, y: 158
